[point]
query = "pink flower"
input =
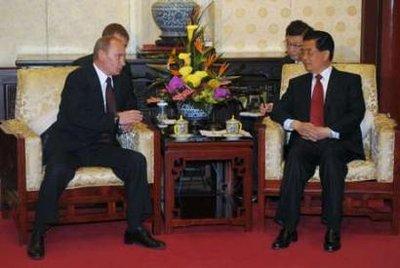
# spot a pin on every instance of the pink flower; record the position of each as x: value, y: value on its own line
x: 221, y: 93
x: 182, y: 96
x: 174, y: 84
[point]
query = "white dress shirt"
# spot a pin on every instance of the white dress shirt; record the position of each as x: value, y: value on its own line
x: 326, y: 74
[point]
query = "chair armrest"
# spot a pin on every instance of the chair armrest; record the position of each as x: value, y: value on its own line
x: 382, y: 151
x: 141, y: 139
x: 33, y: 148
x: 274, y: 142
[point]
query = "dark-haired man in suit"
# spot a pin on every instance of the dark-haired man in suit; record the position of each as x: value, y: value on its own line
x: 94, y: 104
x: 323, y: 109
x: 294, y: 35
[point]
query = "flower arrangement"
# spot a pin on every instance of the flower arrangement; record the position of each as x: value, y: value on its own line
x: 193, y: 73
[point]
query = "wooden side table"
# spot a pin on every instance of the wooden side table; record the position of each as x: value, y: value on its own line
x: 237, y: 155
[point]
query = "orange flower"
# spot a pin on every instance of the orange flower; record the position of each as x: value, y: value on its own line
x: 223, y: 68
x: 210, y: 61
x: 198, y: 44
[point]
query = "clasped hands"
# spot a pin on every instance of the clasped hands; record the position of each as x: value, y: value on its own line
x: 128, y: 118
x: 310, y: 132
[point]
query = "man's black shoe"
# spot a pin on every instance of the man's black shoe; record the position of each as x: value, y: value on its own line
x: 36, y: 246
x: 332, y: 240
x: 142, y: 237
x: 284, y: 239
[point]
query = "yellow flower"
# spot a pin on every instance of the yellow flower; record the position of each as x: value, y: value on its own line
x: 214, y: 83
x: 185, y: 70
x: 185, y: 57
x: 202, y: 74
x: 194, y: 80
x: 190, y: 30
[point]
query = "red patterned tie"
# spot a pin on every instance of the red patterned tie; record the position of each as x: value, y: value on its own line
x: 317, y: 103
x: 110, y: 97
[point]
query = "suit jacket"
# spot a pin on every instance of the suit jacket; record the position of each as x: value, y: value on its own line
x: 125, y: 76
x: 287, y: 59
x: 81, y: 119
x: 344, y: 107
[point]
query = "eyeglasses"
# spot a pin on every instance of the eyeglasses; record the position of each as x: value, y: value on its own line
x: 293, y: 45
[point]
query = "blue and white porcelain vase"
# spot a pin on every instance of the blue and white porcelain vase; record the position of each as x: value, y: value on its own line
x: 172, y: 16
x: 193, y: 111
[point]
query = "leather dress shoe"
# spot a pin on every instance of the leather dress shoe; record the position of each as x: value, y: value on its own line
x: 332, y: 240
x: 36, y: 246
x: 284, y: 239
x: 142, y: 237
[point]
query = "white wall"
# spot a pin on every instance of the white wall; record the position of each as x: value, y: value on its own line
x: 72, y: 26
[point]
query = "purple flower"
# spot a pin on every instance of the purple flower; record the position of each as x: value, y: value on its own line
x: 221, y: 93
x: 174, y: 84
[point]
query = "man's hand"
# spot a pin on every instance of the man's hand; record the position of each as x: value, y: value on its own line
x: 310, y: 132
x: 130, y: 117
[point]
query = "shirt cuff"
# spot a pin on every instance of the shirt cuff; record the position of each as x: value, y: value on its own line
x: 287, y: 125
x: 334, y: 134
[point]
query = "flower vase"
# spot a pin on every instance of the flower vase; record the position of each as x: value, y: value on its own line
x: 196, y: 113
x: 171, y: 16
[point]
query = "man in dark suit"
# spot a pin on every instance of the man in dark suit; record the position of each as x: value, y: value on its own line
x: 94, y: 104
x: 118, y: 31
x: 323, y: 110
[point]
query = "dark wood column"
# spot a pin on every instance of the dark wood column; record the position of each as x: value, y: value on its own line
x: 389, y: 71
x: 380, y: 45
x: 370, y: 29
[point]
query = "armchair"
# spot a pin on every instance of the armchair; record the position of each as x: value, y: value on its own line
x: 372, y: 186
x: 95, y: 193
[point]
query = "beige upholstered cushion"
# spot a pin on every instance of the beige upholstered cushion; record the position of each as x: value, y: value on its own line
x: 382, y: 147
x: 38, y: 98
x: 39, y: 95
x: 378, y: 136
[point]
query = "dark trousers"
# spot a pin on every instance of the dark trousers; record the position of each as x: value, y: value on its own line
x: 128, y: 165
x: 301, y: 161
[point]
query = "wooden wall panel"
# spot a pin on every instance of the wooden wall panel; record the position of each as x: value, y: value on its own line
x: 389, y: 73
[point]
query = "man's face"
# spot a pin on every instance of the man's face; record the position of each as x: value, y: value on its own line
x: 113, y: 59
x: 293, y: 46
x: 314, y: 61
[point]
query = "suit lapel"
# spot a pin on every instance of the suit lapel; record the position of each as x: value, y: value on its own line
x: 307, y: 94
x: 95, y: 86
x: 332, y: 85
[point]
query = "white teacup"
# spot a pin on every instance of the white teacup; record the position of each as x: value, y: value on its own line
x: 181, y: 127
x: 233, y: 126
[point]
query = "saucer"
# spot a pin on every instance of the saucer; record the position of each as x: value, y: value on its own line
x: 250, y: 114
x: 183, y: 137
x: 169, y: 121
x: 232, y: 137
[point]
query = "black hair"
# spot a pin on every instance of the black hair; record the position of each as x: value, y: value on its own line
x: 323, y: 41
x: 298, y: 27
